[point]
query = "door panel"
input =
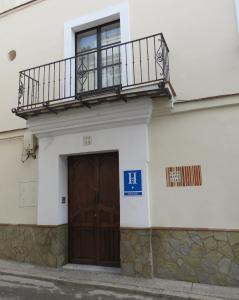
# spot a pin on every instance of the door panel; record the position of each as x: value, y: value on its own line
x: 82, y: 221
x: 94, y: 212
x: 108, y: 209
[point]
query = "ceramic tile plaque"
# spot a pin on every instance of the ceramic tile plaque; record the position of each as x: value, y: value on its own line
x: 184, y: 176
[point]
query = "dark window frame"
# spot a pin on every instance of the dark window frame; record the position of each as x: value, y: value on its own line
x: 98, y: 49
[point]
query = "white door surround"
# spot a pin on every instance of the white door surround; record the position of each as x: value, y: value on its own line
x: 121, y: 127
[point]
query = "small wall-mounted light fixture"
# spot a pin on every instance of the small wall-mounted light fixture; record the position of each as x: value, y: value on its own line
x: 30, y: 146
x: 12, y: 55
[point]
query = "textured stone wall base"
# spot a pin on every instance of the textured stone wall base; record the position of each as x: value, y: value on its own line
x: 39, y: 245
x: 136, y: 253
x: 200, y: 256
x: 210, y: 257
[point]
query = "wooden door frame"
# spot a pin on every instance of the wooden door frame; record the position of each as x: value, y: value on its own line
x: 82, y: 155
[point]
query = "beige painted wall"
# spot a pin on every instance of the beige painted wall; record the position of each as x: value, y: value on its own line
x: 201, y: 34
x: 204, y: 42
x: 17, y: 180
x: 208, y: 138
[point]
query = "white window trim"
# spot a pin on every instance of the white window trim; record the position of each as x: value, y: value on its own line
x: 112, y: 13
x: 120, y: 11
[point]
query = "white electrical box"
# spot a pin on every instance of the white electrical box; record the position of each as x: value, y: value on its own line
x: 28, y: 194
x: 30, y: 142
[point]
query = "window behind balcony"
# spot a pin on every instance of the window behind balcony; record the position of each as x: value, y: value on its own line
x: 98, y: 58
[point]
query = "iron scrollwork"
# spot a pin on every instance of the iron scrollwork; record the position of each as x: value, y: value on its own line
x: 81, y: 72
x: 95, y: 71
x: 162, y: 59
x: 21, y: 90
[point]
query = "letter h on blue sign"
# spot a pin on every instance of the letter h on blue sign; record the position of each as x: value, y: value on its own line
x: 133, y: 183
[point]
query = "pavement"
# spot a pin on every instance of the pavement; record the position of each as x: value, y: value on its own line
x: 20, y: 281
x: 21, y: 288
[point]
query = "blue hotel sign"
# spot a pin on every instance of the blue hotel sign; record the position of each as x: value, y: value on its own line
x: 133, y: 183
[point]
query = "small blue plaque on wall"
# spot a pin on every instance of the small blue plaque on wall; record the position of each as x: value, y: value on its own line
x: 133, y: 183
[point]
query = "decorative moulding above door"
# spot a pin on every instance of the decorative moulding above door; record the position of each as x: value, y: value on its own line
x: 96, y: 118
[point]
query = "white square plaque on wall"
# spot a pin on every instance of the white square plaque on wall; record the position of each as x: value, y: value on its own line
x: 28, y: 194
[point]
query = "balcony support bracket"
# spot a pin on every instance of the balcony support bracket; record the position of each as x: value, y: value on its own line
x: 119, y: 94
x: 123, y: 98
x: 83, y: 103
x: 46, y: 105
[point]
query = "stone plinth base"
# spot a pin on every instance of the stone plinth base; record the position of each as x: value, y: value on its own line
x: 136, y: 252
x: 210, y: 257
x: 200, y: 256
x: 41, y: 245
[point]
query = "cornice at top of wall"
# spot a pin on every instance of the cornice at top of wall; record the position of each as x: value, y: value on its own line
x: 182, y: 106
x: 18, y: 7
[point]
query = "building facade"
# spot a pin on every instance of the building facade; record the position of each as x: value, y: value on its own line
x: 119, y: 136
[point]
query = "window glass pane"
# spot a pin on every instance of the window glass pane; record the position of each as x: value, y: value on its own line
x: 110, y: 56
x: 110, y: 34
x: 86, y: 41
x: 111, y: 76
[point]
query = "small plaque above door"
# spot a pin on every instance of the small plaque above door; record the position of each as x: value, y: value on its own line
x: 87, y: 140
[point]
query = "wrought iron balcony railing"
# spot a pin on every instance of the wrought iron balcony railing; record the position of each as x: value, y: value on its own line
x: 119, y: 67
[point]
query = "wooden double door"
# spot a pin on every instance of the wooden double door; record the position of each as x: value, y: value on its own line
x: 94, y: 209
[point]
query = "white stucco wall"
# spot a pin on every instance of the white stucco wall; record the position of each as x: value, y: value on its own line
x: 237, y: 12
x: 134, y: 211
x: 113, y: 127
x: 204, y: 60
x: 208, y: 138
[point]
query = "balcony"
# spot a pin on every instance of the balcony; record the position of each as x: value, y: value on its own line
x: 120, y: 72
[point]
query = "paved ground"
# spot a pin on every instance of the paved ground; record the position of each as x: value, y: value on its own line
x: 19, y: 281
x: 21, y: 288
